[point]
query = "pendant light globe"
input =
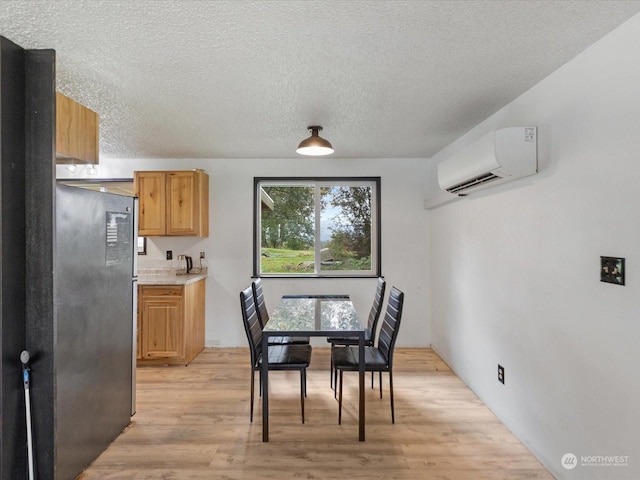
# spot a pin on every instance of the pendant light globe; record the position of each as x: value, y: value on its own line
x: 315, y: 145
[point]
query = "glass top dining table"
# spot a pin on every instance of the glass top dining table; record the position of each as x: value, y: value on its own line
x: 314, y: 316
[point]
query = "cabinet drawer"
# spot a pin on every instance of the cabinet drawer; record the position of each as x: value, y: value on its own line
x: 161, y: 291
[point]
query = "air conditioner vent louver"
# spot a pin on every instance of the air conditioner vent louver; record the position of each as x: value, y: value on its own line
x: 498, y: 157
x: 489, y: 177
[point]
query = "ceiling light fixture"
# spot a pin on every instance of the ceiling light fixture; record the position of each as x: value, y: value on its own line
x: 314, y: 145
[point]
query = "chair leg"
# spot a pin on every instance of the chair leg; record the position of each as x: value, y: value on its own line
x: 335, y: 382
x: 331, y: 383
x: 340, y: 401
x: 380, y: 381
x: 302, y: 391
x: 252, y: 388
x: 304, y: 375
x: 393, y: 418
x: 372, y: 380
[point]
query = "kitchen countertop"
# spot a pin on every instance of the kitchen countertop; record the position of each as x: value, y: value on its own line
x: 169, y: 278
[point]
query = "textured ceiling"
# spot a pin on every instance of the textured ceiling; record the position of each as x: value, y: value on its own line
x: 243, y: 79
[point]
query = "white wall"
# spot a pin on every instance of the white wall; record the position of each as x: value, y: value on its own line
x: 515, y: 271
x: 229, y: 246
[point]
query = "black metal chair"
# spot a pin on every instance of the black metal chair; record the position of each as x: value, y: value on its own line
x: 263, y: 317
x: 377, y: 359
x: 280, y: 357
x: 372, y: 327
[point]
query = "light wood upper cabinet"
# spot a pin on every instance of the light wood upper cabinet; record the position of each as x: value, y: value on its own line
x: 77, y: 132
x: 173, y: 202
x: 151, y: 188
x: 185, y: 202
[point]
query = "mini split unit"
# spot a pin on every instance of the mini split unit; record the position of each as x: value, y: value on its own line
x: 499, y: 157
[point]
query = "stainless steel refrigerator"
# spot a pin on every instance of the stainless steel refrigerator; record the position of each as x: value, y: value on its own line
x: 95, y: 291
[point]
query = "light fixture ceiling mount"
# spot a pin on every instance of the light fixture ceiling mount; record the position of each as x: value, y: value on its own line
x: 315, y: 145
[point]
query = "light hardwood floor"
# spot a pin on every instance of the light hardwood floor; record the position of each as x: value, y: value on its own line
x: 193, y: 423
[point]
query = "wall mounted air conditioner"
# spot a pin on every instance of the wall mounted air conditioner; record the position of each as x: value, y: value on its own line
x: 499, y: 157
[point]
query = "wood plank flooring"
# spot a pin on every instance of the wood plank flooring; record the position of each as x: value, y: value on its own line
x: 192, y: 423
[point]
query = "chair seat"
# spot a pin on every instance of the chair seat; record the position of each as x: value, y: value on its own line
x: 347, y: 359
x: 285, y: 357
x: 368, y: 339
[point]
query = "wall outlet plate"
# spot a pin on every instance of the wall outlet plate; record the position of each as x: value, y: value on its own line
x: 169, y: 254
x: 501, y: 374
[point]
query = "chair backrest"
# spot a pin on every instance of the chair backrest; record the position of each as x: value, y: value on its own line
x: 376, y: 308
x: 252, y: 326
x: 261, y: 307
x: 391, y: 325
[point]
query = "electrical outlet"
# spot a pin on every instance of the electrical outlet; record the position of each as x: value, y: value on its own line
x: 201, y: 254
x: 169, y: 254
x: 501, y: 374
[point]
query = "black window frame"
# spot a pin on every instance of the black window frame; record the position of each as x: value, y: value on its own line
x: 377, y: 272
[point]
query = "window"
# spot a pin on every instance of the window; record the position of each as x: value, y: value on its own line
x: 317, y: 227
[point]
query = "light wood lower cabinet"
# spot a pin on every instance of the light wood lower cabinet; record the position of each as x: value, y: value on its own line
x: 170, y: 323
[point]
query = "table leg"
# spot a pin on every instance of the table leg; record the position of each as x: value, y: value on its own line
x: 361, y: 386
x: 265, y: 387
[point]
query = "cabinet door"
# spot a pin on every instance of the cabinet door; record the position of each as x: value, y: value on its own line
x: 162, y: 327
x: 150, y: 188
x: 77, y: 137
x: 182, y: 203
